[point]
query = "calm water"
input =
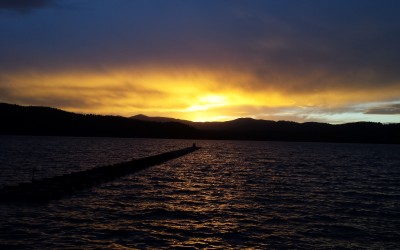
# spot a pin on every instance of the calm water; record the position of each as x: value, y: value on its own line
x: 227, y: 195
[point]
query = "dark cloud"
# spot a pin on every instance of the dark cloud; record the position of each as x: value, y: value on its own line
x: 393, y: 109
x: 297, y: 46
x: 24, y: 5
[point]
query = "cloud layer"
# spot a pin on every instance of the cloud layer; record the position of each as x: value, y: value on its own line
x: 323, y: 54
x: 393, y: 109
x: 24, y: 5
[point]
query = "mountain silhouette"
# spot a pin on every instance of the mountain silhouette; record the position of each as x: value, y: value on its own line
x: 20, y: 120
x: 159, y: 119
x: 31, y: 120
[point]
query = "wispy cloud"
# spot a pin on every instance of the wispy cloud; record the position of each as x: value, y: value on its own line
x: 393, y: 109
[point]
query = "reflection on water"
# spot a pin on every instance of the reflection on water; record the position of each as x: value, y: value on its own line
x: 227, y: 195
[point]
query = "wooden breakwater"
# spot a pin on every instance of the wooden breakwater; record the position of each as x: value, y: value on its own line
x: 63, y: 185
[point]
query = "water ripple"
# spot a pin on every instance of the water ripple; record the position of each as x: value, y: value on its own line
x: 259, y: 195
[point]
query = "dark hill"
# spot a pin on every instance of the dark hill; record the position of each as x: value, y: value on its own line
x: 159, y: 119
x: 49, y: 121
x: 20, y: 120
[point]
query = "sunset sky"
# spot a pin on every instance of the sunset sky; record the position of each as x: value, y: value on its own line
x: 205, y: 60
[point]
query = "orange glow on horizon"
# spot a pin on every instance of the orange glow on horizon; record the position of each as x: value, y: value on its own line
x: 186, y: 94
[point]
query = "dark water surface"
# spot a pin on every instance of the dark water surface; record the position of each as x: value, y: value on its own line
x: 229, y: 194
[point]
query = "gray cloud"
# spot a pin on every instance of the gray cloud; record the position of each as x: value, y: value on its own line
x: 24, y: 5
x: 294, y: 46
x: 393, y: 109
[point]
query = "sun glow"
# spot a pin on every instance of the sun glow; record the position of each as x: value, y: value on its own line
x: 192, y: 94
x: 208, y: 102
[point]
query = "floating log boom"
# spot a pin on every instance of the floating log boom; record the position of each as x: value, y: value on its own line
x: 60, y: 186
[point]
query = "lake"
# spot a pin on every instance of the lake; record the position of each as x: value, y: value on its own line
x: 229, y: 194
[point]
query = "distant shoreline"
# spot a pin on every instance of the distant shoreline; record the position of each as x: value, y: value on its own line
x: 46, y: 121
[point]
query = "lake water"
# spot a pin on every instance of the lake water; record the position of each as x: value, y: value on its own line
x: 229, y: 194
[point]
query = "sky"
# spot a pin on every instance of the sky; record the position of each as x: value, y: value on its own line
x: 205, y: 60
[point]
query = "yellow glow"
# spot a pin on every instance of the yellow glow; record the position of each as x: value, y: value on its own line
x: 208, y: 102
x: 185, y: 93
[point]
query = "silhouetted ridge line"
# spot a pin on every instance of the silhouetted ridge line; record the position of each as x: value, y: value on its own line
x: 60, y: 186
x: 19, y: 120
